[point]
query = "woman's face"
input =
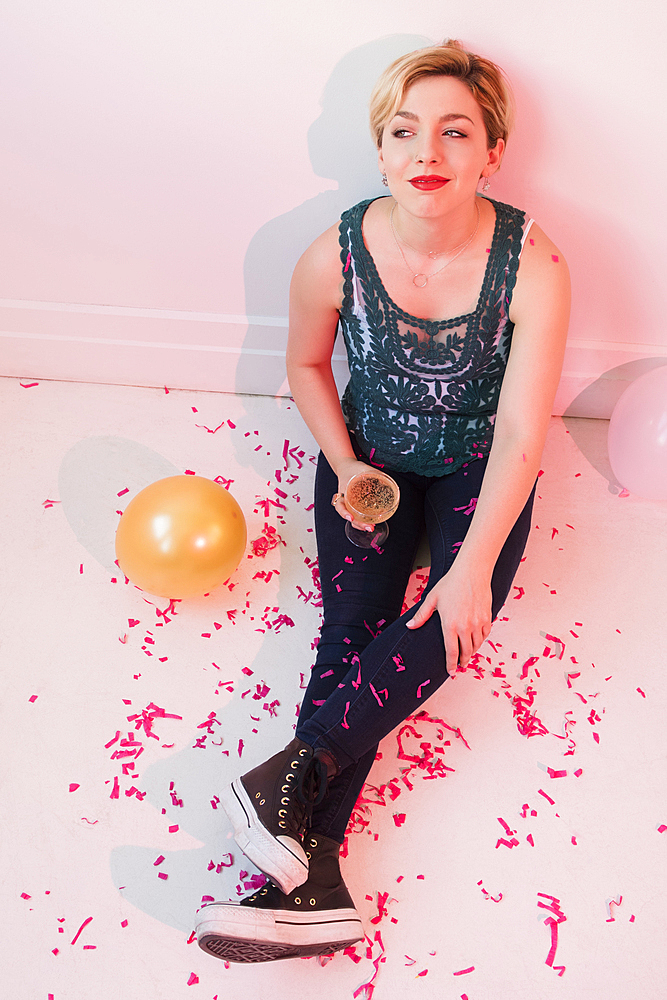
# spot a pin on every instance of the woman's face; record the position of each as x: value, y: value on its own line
x: 434, y: 149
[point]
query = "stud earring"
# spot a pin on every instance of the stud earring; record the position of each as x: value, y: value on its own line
x: 486, y: 185
x: 385, y: 181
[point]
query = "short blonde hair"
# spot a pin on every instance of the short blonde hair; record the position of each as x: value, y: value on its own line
x: 486, y: 82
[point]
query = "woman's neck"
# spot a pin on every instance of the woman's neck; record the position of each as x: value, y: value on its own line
x: 435, y: 235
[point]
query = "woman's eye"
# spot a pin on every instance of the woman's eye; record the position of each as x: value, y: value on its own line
x: 400, y: 132
x: 455, y: 132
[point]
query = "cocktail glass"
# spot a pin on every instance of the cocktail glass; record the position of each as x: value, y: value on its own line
x: 371, y: 497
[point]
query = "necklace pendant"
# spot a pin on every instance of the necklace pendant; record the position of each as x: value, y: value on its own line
x: 420, y: 284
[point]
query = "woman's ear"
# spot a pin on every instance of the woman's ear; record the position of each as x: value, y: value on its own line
x: 494, y: 157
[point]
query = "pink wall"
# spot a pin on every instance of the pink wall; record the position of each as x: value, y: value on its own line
x: 170, y: 162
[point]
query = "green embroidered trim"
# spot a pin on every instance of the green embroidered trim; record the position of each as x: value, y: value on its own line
x: 423, y: 404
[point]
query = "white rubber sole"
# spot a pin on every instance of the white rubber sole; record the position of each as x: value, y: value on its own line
x: 281, y: 858
x: 249, y: 934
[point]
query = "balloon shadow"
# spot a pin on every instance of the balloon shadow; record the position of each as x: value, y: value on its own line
x: 590, y: 433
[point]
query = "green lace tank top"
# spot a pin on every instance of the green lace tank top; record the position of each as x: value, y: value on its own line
x: 423, y: 395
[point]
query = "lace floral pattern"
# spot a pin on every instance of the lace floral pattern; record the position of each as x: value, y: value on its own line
x: 423, y: 394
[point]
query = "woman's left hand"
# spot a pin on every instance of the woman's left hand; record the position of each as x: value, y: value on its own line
x: 463, y: 601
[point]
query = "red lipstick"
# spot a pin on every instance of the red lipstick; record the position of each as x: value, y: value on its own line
x: 428, y: 182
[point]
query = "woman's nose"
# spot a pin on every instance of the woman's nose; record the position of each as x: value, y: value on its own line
x: 427, y: 150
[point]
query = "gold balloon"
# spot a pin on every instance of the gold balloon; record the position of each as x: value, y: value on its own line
x: 180, y: 537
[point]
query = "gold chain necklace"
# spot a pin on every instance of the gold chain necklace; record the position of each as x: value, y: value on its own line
x: 432, y: 253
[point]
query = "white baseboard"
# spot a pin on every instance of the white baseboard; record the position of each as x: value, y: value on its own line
x: 231, y: 353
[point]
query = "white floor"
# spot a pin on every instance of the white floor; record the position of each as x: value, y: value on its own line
x: 86, y: 659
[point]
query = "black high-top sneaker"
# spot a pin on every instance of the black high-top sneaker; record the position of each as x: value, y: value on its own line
x: 270, y: 808
x: 318, y: 918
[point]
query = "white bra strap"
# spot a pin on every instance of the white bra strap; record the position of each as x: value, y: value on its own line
x: 526, y: 231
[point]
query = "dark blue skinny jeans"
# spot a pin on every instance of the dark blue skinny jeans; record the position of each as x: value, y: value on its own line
x: 371, y: 672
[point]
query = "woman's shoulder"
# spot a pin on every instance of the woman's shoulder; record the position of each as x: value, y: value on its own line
x: 319, y: 268
x: 331, y: 248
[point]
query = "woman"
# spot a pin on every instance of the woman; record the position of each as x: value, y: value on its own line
x: 456, y: 410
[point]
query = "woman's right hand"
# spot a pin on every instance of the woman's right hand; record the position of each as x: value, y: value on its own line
x: 346, y: 469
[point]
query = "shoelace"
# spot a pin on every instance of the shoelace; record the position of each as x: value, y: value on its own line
x: 311, y: 785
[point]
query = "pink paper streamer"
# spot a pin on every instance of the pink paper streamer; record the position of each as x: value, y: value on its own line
x: 84, y: 924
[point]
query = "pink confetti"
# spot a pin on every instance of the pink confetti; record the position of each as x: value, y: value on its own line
x: 547, y: 797
x: 377, y: 697
x: 162, y: 875
x: 33, y: 698
x: 464, y: 972
x: 554, y: 258
x: 159, y: 860
x: 90, y: 822
x: 662, y: 828
x: 28, y: 385
x: 193, y: 980
x: 84, y: 924
x: 240, y: 747
x: 422, y: 685
x: 529, y: 663
x: 123, y: 492
x: 641, y: 692
x: 80, y: 567
x: 344, y: 723
x: 73, y: 786
x: 174, y: 828
x: 554, y: 907
x: 399, y: 819
x: 24, y: 895
x: 210, y: 430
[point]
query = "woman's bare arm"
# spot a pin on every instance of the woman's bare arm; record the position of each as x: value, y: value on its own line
x: 315, y: 298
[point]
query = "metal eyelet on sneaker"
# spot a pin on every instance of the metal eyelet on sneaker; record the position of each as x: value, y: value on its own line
x: 294, y: 763
x: 288, y: 776
x: 282, y: 813
x: 313, y: 842
x: 258, y: 795
x: 297, y: 899
x: 285, y: 788
x: 302, y: 753
x: 313, y: 902
x: 284, y: 801
x: 308, y: 855
x: 262, y: 802
x: 282, y: 824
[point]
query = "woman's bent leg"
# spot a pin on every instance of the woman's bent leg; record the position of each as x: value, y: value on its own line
x: 401, y: 668
x: 363, y: 592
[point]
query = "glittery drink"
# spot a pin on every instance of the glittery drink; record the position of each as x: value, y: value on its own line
x: 371, y: 497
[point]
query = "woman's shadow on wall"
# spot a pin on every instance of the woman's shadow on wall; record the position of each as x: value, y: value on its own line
x: 340, y: 148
